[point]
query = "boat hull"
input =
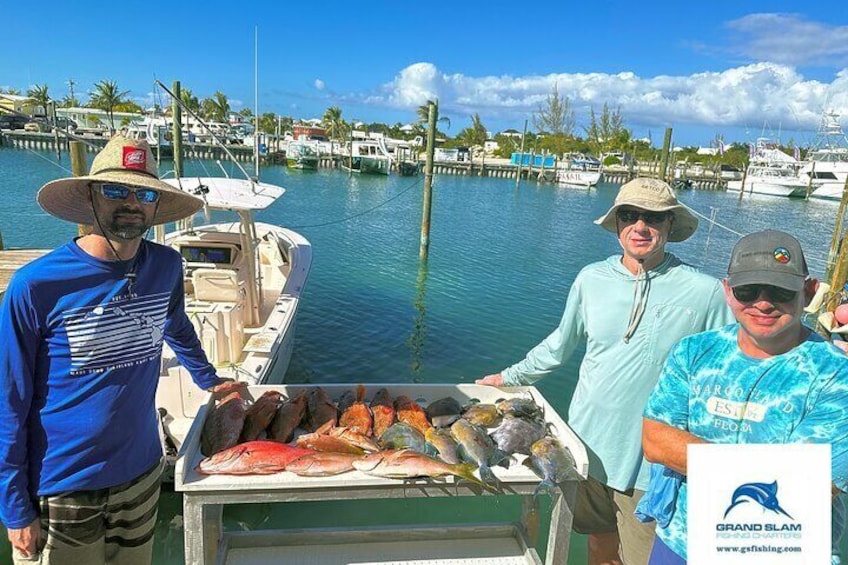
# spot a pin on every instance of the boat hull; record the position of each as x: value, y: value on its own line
x: 584, y: 179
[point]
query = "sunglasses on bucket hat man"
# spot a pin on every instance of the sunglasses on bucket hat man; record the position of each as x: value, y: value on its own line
x: 120, y: 192
x: 631, y: 216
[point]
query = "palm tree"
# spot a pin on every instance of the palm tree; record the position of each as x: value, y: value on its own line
x: 39, y: 96
x: 190, y: 101
x: 334, y: 124
x: 217, y: 108
x: 106, y: 96
x: 423, y: 112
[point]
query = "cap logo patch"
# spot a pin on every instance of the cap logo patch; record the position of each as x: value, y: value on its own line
x: 781, y: 255
x: 135, y: 158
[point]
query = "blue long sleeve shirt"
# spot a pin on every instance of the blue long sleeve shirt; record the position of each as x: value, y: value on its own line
x: 616, y: 376
x: 79, y: 365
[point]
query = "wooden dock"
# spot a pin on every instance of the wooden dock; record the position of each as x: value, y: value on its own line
x: 13, y: 259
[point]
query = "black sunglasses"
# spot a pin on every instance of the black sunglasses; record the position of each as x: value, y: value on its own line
x: 750, y: 293
x: 632, y: 216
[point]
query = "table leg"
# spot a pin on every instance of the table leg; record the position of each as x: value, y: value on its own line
x: 202, y: 531
x: 530, y: 519
x: 561, y: 518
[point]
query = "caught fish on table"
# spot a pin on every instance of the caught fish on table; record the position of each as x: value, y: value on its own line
x: 523, y: 407
x: 475, y: 445
x: 288, y: 418
x: 322, y: 464
x: 321, y: 440
x: 443, y: 412
x: 320, y: 410
x: 353, y: 437
x: 404, y: 436
x: 485, y: 415
x: 408, y: 464
x: 410, y: 412
x: 382, y: 411
x: 553, y: 462
x: 260, y: 457
x: 517, y: 435
x: 223, y: 425
x: 441, y: 439
x: 260, y: 414
x: 354, y: 413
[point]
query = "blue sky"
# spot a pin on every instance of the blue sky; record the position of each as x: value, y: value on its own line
x: 703, y: 68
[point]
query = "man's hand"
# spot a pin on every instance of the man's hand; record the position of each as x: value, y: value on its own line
x: 843, y: 345
x: 491, y: 380
x: 225, y: 387
x: 27, y: 539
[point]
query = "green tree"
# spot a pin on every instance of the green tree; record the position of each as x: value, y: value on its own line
x: 476, y: 134
x: 190, y: 101
x: 131, y: 106
x: 40, y: 97
x: 70, y: 102
x: 555, y: 116
x: 12, y: 91
x: 334, y: 124
x: 607, y: 132
x: 268, y: 123
x: 107, y: 96
x: 216, y: 108
x: 423, y: 113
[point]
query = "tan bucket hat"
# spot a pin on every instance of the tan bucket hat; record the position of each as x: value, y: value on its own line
x: 123, y: 161
x: 653, y: 195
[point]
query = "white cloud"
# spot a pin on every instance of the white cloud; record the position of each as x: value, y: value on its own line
x: 789, y: 39
x: 742, y: 96
x: 319, y: 84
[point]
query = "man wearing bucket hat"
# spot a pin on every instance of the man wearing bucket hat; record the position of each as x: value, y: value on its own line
x: 791, y: 383
x: 82, y: 331
x: 628, y: 311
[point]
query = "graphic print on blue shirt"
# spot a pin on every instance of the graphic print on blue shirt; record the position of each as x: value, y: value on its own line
x: 124, y: 332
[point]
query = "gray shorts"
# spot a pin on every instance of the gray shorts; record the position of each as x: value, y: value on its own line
x: 604, y: 510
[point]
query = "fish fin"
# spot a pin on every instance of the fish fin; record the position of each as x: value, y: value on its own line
x: 501, y: 457
x: 465, y: 471
x: 489, y: 479
x: 325, y: 428
x: 546, y: 487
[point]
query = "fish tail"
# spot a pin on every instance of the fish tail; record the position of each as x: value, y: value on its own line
x: 466, y: 471
x: 489, y: 479
x: 546, y: 487
x: 732, y: 506
x: 360, y: 393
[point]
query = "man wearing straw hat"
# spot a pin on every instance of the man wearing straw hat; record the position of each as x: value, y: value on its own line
x: 81, y: 333
x: 628, y: 310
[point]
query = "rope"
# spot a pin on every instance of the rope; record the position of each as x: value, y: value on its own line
x: 815, y: 260
x: 368, y: 211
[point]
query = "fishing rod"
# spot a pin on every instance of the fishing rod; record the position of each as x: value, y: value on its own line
x: 185, y: 107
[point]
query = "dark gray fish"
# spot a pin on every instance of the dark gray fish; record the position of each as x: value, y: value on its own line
x: 517, y: 435
x: 320, y: 410
x: 523, y: 407
x: 443, y: 412
x: 288, y: 418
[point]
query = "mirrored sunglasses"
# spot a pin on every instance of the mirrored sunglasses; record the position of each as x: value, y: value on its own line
x: 632, y: 216
x: 111, y: 191
x: 751, y: 292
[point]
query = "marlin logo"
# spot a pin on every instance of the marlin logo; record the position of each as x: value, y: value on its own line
x: 763, y: 494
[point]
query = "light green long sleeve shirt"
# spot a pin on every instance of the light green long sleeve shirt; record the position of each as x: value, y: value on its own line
x: 616, y: 377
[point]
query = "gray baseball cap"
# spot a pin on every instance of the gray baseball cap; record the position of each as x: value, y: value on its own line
x: 768, y: 257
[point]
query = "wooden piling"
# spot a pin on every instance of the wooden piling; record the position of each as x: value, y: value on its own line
x: 424, y: 249
x: 79, y: 168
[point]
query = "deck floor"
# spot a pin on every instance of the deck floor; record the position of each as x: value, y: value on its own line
x: 13, y: 259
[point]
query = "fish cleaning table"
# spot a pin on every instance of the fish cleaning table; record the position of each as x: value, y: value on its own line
x: 497, y: 543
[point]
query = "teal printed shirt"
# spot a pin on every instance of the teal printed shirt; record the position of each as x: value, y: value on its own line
x: 711, y: 389
x: 615, y: 376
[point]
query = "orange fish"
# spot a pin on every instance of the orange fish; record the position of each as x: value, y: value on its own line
x: 355, y: 414
x: 383, y: 412
x: 252, y: 458
x: 410, y: 412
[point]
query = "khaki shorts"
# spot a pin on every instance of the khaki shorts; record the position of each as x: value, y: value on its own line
x: 604, y: 510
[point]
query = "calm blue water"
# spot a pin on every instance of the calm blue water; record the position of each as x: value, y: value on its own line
x: 501, y: 262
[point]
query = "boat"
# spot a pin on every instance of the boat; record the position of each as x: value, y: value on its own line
x: 366, y: 156
x: 827, y: 164
x: 301, y: 155
x: 243, y: 283
x: 408, y: 167
x: 771, y: 171
x: 157, y: 131
x: 579, y: 170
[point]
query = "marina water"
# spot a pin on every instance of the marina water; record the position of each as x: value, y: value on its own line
x: 501, y: 261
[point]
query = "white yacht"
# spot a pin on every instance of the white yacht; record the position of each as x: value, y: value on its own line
x: 828, y: 160
x: 583, y: 171
x: 366, y: 156
x: 773, y: 172
x: 243, y: 283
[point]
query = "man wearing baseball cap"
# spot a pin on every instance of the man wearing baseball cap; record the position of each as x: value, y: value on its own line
x: 81, y: 334
x: 769, y: 363
x: 628, y: 311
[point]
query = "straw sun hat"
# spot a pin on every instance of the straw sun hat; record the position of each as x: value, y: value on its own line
x: 121, y: 161
x: 655, y: 196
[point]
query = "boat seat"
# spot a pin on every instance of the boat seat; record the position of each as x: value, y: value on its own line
x: 217, y: 285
